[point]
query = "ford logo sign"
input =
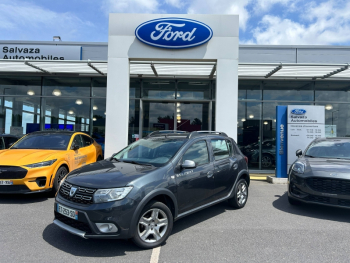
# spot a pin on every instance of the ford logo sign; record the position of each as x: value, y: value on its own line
x: 173, y: 33
x: 298, y: 111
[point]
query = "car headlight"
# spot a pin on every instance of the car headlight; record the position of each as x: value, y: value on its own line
x: 108, y: 195
x: 46, y: 163
x: 298, y: 167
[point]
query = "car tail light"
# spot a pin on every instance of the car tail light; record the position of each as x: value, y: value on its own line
x: 246, y: 159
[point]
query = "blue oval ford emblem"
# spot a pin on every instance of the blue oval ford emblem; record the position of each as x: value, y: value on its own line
x: 298, y: 111
x: 173, y: 33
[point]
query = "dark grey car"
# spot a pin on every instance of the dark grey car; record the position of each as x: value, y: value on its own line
x: 139, y: 192
x: 321, y: 174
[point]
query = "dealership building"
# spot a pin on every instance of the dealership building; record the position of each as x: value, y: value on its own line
x: 158, y: 72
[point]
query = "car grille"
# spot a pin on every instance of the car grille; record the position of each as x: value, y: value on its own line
x: 330, y: 186
x: 83, y: 195
x: 12, y: 172
x: 73, y: 223
x: 318, y: 199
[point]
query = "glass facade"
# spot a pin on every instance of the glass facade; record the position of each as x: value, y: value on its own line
x: 30, y: 104
x: 257, y: 101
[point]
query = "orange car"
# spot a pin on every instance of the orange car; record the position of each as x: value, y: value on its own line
x: 40, y: 160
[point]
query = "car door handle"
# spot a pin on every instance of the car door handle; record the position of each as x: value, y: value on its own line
x: 210, y: 174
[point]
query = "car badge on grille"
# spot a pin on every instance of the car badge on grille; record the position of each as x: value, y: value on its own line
x: 72, y: 191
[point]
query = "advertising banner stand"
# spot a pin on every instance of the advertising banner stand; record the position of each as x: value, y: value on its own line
x: 305, y: 123
x: 281, y: 142
x: 296, y: 127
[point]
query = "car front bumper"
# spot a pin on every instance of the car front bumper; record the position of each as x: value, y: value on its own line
x: 28, y: 180
x: 300, y: 188
x: 119, y: 213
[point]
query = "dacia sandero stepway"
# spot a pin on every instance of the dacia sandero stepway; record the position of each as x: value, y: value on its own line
x: 139, y: 192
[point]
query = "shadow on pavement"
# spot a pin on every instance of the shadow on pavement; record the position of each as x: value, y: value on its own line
x: 312, y: 210
x: 200, y: 216
x: 23, y: 198
x: 78, y: 246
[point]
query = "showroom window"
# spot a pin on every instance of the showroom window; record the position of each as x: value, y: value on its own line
x: 29, y: 104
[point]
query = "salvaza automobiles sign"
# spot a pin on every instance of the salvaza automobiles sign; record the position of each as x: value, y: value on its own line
x: 173, y: 33
x: 40, y: 52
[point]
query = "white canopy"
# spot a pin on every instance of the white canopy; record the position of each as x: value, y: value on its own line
x: 179, y: 69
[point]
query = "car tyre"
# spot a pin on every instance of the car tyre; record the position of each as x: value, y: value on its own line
x: 266, y: 161
x: 292, y: 201
x: 154, y: 225
x: 60, y: 174
x: 240, y: 196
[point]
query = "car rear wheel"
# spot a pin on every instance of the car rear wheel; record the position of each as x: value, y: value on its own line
x: 153, y: 226
x: 266, y: 161
x: 292, y: 201
x: 240, y: 196
x: 60, y: 174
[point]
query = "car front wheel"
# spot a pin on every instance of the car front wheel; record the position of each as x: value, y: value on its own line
x: 60, y: 174
x: 153, y: 226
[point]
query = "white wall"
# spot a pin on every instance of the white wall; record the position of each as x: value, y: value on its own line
x: 123, y: 45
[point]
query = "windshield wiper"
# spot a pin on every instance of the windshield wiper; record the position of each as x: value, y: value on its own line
x: 114, y: 158
x: 309, y: 156
x: 134, y: 162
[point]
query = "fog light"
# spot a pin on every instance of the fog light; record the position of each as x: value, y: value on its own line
x: 107, y: 227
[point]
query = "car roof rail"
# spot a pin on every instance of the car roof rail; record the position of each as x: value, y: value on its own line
x: 166, y: 133
x: 201, y: 133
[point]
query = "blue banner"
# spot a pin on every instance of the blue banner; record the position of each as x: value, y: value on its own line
x: 281, y: 142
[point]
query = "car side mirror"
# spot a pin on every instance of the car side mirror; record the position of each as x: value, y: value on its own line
x: 76, y: 147
x: 299, y: 153
x: 188, y: 164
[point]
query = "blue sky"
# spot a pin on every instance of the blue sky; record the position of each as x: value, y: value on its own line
x: 286, y: 22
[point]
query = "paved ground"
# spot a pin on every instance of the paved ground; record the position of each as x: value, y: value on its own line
x: 268, y: 229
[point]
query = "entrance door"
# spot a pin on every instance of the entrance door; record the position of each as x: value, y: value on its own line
x: 192, y: 116
x: 157, y: 116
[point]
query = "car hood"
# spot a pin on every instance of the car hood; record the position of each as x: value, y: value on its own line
x: 107, y: 174
x: 19, y: 157
x: 323, y: 167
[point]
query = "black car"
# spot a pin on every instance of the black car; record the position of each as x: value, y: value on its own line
x: 139, y: 192
x: 6, y: 140
x: 268, y: 153
x: 321, y: 174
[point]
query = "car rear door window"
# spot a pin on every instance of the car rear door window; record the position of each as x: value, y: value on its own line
x: 87, y: 141
x: 198, y: 152
x: 220, y: 149
x: 78, y: 141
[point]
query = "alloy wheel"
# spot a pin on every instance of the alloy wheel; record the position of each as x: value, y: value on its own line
x: 266, y: 161
x: 242, y: 193
x: 152, y: 225
x: 61, y: 175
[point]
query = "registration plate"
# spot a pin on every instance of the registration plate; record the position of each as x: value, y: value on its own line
x: 71, y: 213
x: 6, y: 182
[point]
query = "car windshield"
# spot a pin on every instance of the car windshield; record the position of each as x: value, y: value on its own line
x: 153, y: 151
x: 44, y: 141
x: 329, y: 149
